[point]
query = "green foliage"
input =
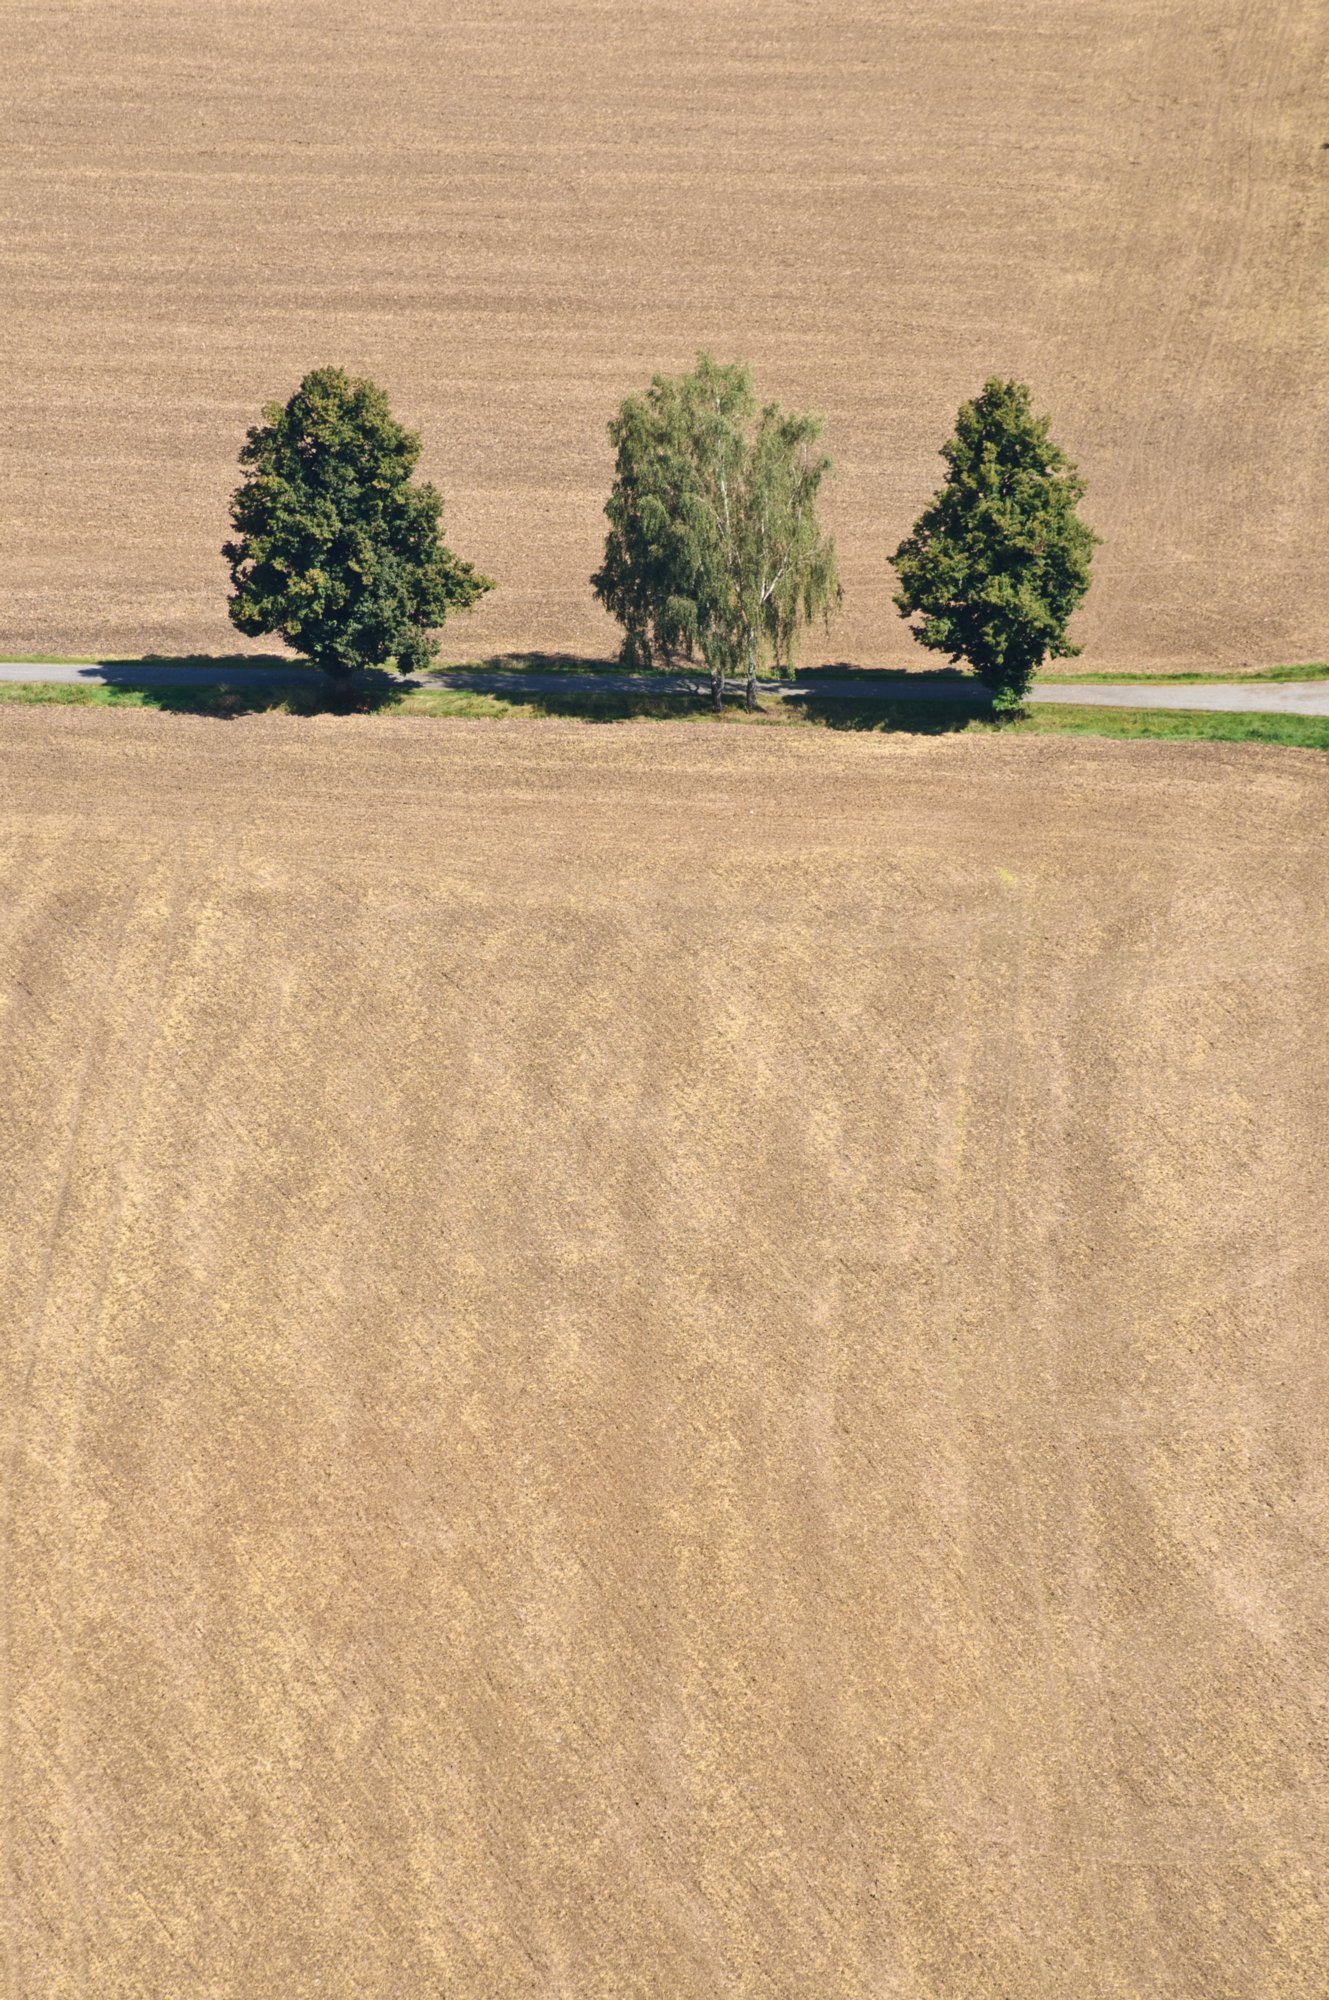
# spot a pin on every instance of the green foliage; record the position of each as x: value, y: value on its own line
x: 999, y: 561
x: 336, y: 548
x: 713, y: 545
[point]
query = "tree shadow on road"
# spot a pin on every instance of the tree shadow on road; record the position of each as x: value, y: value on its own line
x: 847, y: 670
x: 537, y: 663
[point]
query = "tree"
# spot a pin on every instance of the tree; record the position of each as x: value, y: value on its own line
x: 999, y: 561
x: 714, y: 545
x: 337, y: 548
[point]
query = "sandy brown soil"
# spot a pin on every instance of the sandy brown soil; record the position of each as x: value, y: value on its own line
x: 661, y: 1362
x: 510, y: 213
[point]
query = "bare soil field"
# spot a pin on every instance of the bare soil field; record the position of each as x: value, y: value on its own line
x: 511, y: 213
x: 659, y: 1362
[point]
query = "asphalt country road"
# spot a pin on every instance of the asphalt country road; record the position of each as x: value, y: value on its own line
x: 1258, y: 697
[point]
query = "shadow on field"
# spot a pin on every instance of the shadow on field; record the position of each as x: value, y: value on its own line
x: 937, y: 703
x: 607, y: 705
x: 226, y: 685
x: 611, y: 696
x: 931, y: 704
x: 934, y: 717
x: 919, y: 717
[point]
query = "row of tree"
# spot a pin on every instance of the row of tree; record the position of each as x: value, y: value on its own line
x: 714, y: 550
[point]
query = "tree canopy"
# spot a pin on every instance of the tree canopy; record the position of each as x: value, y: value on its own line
x: 999, y: 561
x: 714, y: 547
x: 337, y: 548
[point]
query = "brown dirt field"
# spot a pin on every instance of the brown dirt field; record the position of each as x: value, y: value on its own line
x: 662, y: 1363
x: 511, y: 213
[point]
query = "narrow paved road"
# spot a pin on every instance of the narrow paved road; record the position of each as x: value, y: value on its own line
x: 1261, y: 697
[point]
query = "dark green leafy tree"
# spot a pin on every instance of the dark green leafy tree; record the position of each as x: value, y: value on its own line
x: 714, y: 548
x: 999, y: 561
x: 336, y: 547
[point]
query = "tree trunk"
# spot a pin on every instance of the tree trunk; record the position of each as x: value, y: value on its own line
x: 341, y: 679
x: 717, y: 689
x: 752, y: 677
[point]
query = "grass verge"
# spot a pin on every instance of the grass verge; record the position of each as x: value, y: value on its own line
x: 881, y: 717
x: 1310, y: 670
x: 1302, y: 732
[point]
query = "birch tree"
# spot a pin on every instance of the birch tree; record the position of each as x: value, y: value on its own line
x: 714, y: 547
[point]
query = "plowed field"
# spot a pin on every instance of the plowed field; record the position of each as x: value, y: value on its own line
x: 662, y: 1362
x: 510, y: 213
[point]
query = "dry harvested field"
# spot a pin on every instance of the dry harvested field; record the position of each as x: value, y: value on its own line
x: 510, y: 213
x: 661, y: 1362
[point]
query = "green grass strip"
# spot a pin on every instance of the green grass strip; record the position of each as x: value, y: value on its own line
x: 878, y: 717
